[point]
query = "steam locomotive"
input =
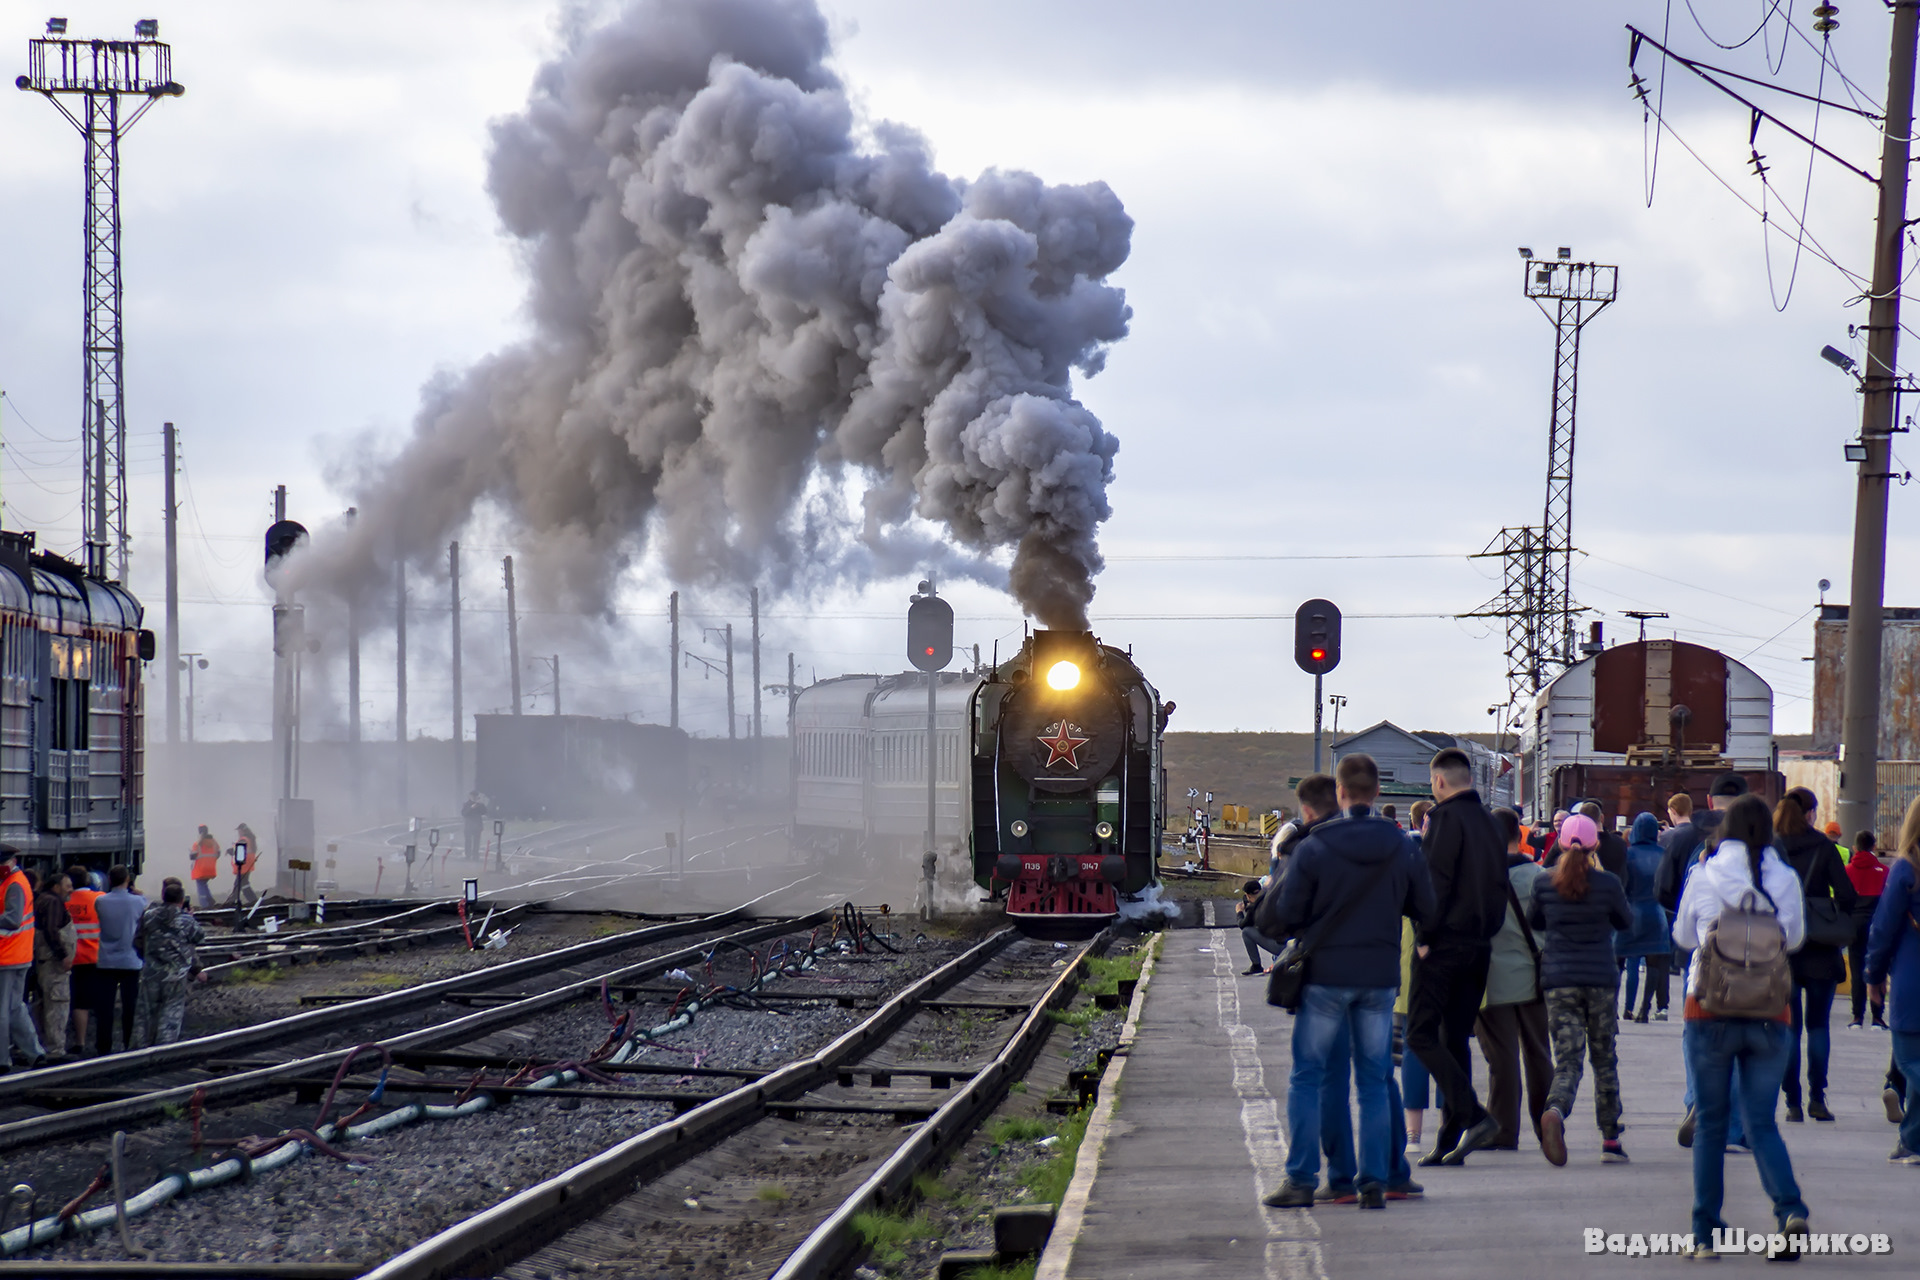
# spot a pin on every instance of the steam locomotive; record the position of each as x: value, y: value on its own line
x: 72, y: 740
x: 1048, y: 786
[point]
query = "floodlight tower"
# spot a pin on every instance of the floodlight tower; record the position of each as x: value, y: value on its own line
x: 98, y: 73
x: 1579, y: 291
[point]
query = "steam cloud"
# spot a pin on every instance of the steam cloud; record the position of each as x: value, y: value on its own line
x: 739, y: 302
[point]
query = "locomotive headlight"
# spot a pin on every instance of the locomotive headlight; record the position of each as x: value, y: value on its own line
x: 1019, y: 828
x: 1063, y: 675
x: 1104, y: 830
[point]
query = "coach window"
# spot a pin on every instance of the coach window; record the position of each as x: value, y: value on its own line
x: 72, y: 667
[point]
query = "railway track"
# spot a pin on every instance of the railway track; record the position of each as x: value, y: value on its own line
x: 223, y: 955
x: 413, y: 1063
x: 829, y: 1136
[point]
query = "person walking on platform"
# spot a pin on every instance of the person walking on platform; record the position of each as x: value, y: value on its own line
x: 1466, y: 853
x: 1893, y: 954
x: 1578, y: 908
x: 1869, y: 877
x: 1349, y: 884
x: 1512, y: 1028
x: 86, y: 950
x: 16, y: 961
x: 54, y: 941
x: 1741, y: 884
x: 1415, y: 1084
x: 1819, y: 965
x: 118, y: 974
x: 168, y: 935
x: 206, y: 865
x: 246, y: 856
x: 1649, y: 941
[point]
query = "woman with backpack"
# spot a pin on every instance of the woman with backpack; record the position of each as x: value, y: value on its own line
x: 1740, y: 916
x: 1577, y: 908
x: 1647, y: 939
x: 1819, y: 966
x: 1893, y: 952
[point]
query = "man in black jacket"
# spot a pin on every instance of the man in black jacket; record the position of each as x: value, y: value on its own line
x: 1684, y: 843
x: 1466, y: 855
x: 1349, y: 884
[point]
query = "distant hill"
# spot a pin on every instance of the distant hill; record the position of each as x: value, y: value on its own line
x: 1253, y: 768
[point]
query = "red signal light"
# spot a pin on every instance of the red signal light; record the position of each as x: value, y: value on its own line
x: 929, y: 651
x: 1318, y: 655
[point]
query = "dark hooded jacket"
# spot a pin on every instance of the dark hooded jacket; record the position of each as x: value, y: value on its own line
x: 1648, y: 936
x: 1356, y: 857
x: 1822, y: 874
x: 1466, y: 855
x: 1684, y: 845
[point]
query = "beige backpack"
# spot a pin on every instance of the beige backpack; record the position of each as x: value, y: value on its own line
x: 1743, y: 962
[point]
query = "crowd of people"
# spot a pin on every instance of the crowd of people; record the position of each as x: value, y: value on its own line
x: 78, y: 947
x: 1397, y: 948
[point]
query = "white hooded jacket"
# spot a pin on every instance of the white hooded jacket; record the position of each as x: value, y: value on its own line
x: 1724, y: 880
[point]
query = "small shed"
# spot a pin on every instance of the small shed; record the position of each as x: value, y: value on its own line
x: 1403, y: 756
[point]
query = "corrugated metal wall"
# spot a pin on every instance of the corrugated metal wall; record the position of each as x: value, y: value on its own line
x: 1899, y: 680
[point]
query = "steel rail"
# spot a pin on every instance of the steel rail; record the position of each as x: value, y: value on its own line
x: 495, y: 1237
x: 248, y: 1084
x: 831, y: 1244
x: 298, y: 951
x: 333, y: 1017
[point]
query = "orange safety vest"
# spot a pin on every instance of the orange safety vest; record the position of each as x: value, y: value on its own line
x: 86, y: 926
x: 206, y: 858
x: 16, y: 945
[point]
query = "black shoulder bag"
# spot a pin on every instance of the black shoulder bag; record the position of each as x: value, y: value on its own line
x: 1526, y: 930
x: 1287, y: 981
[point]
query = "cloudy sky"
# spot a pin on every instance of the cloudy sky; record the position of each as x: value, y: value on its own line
x: 1333, y: 384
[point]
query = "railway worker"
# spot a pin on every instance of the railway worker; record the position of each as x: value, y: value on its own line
x: 1466, y: 854
x: 16, y: 960
x: 1512, y: 1028
x: 206, y: 865
x: 54, y: 941
x: 86, y: 950
x: 1349, y: 884
x: 1577, y: 909
x: 1740, y: 861
x: 246, y: 856
x: 1869, y: 876
x: 1893, y: 952
x: 118, y: 971
x: 168, y: 935
x: 472, y: 814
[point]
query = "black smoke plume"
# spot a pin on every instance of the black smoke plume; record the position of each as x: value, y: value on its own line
x: 763, y: 339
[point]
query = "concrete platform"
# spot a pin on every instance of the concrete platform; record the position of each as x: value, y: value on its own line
x: 1197, y: 1135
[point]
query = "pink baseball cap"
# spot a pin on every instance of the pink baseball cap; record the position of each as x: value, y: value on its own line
x: 1578, y: 829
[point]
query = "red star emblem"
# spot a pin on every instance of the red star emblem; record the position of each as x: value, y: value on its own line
x: 1062, y: 745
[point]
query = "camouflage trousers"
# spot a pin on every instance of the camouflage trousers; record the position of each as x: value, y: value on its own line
x: 160, y: 1009
x: 1581, y: 1022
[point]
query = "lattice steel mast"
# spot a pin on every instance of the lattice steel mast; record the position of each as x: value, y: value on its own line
x: 100, y: 73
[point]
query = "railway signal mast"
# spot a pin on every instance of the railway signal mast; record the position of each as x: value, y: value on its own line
x: 930, y: 649
x: 98, y: 74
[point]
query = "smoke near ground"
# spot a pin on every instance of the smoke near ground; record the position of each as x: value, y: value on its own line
x: 764, y: 339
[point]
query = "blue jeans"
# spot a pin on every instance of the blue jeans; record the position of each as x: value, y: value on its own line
x: 1906, y: 1055
x: 1365, y: 1014
x: 1336, y: 1120
x: 1713, y: 1047
x: 1413, y: 1077
x: 1737, y: 1125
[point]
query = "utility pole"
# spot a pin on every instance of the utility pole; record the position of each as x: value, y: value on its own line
x: 513, y: 634
x: 754, y: 599
x: 98, y: 72
x: 556, y: 684
x: 453, y: 577
x: 1860, y: 731
x: 353, y: 679
x: 673, y: 659
x: 170, y: 442
x: 400, y: 679
x: 285, y: 644
x: 793, y: 693
x: 726, y: 633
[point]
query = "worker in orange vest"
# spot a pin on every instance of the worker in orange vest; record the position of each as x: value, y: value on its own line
x: 246, y: 856
x: 86, y: 949
x: 206, y: 865
x: 16, y: 961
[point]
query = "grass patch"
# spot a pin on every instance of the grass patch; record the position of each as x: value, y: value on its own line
x: 1104, y: 975
x: 1048, y: 1181
x: 774, y: 1193
x: 1019, y: 1271
x: 254, y: 976
x: 884, y: 1233
x: 1073, y: 1017
x: 1018, y: 1086
x: 1019, y: 1129
x: 390, y: 981
x: 607, y: 928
